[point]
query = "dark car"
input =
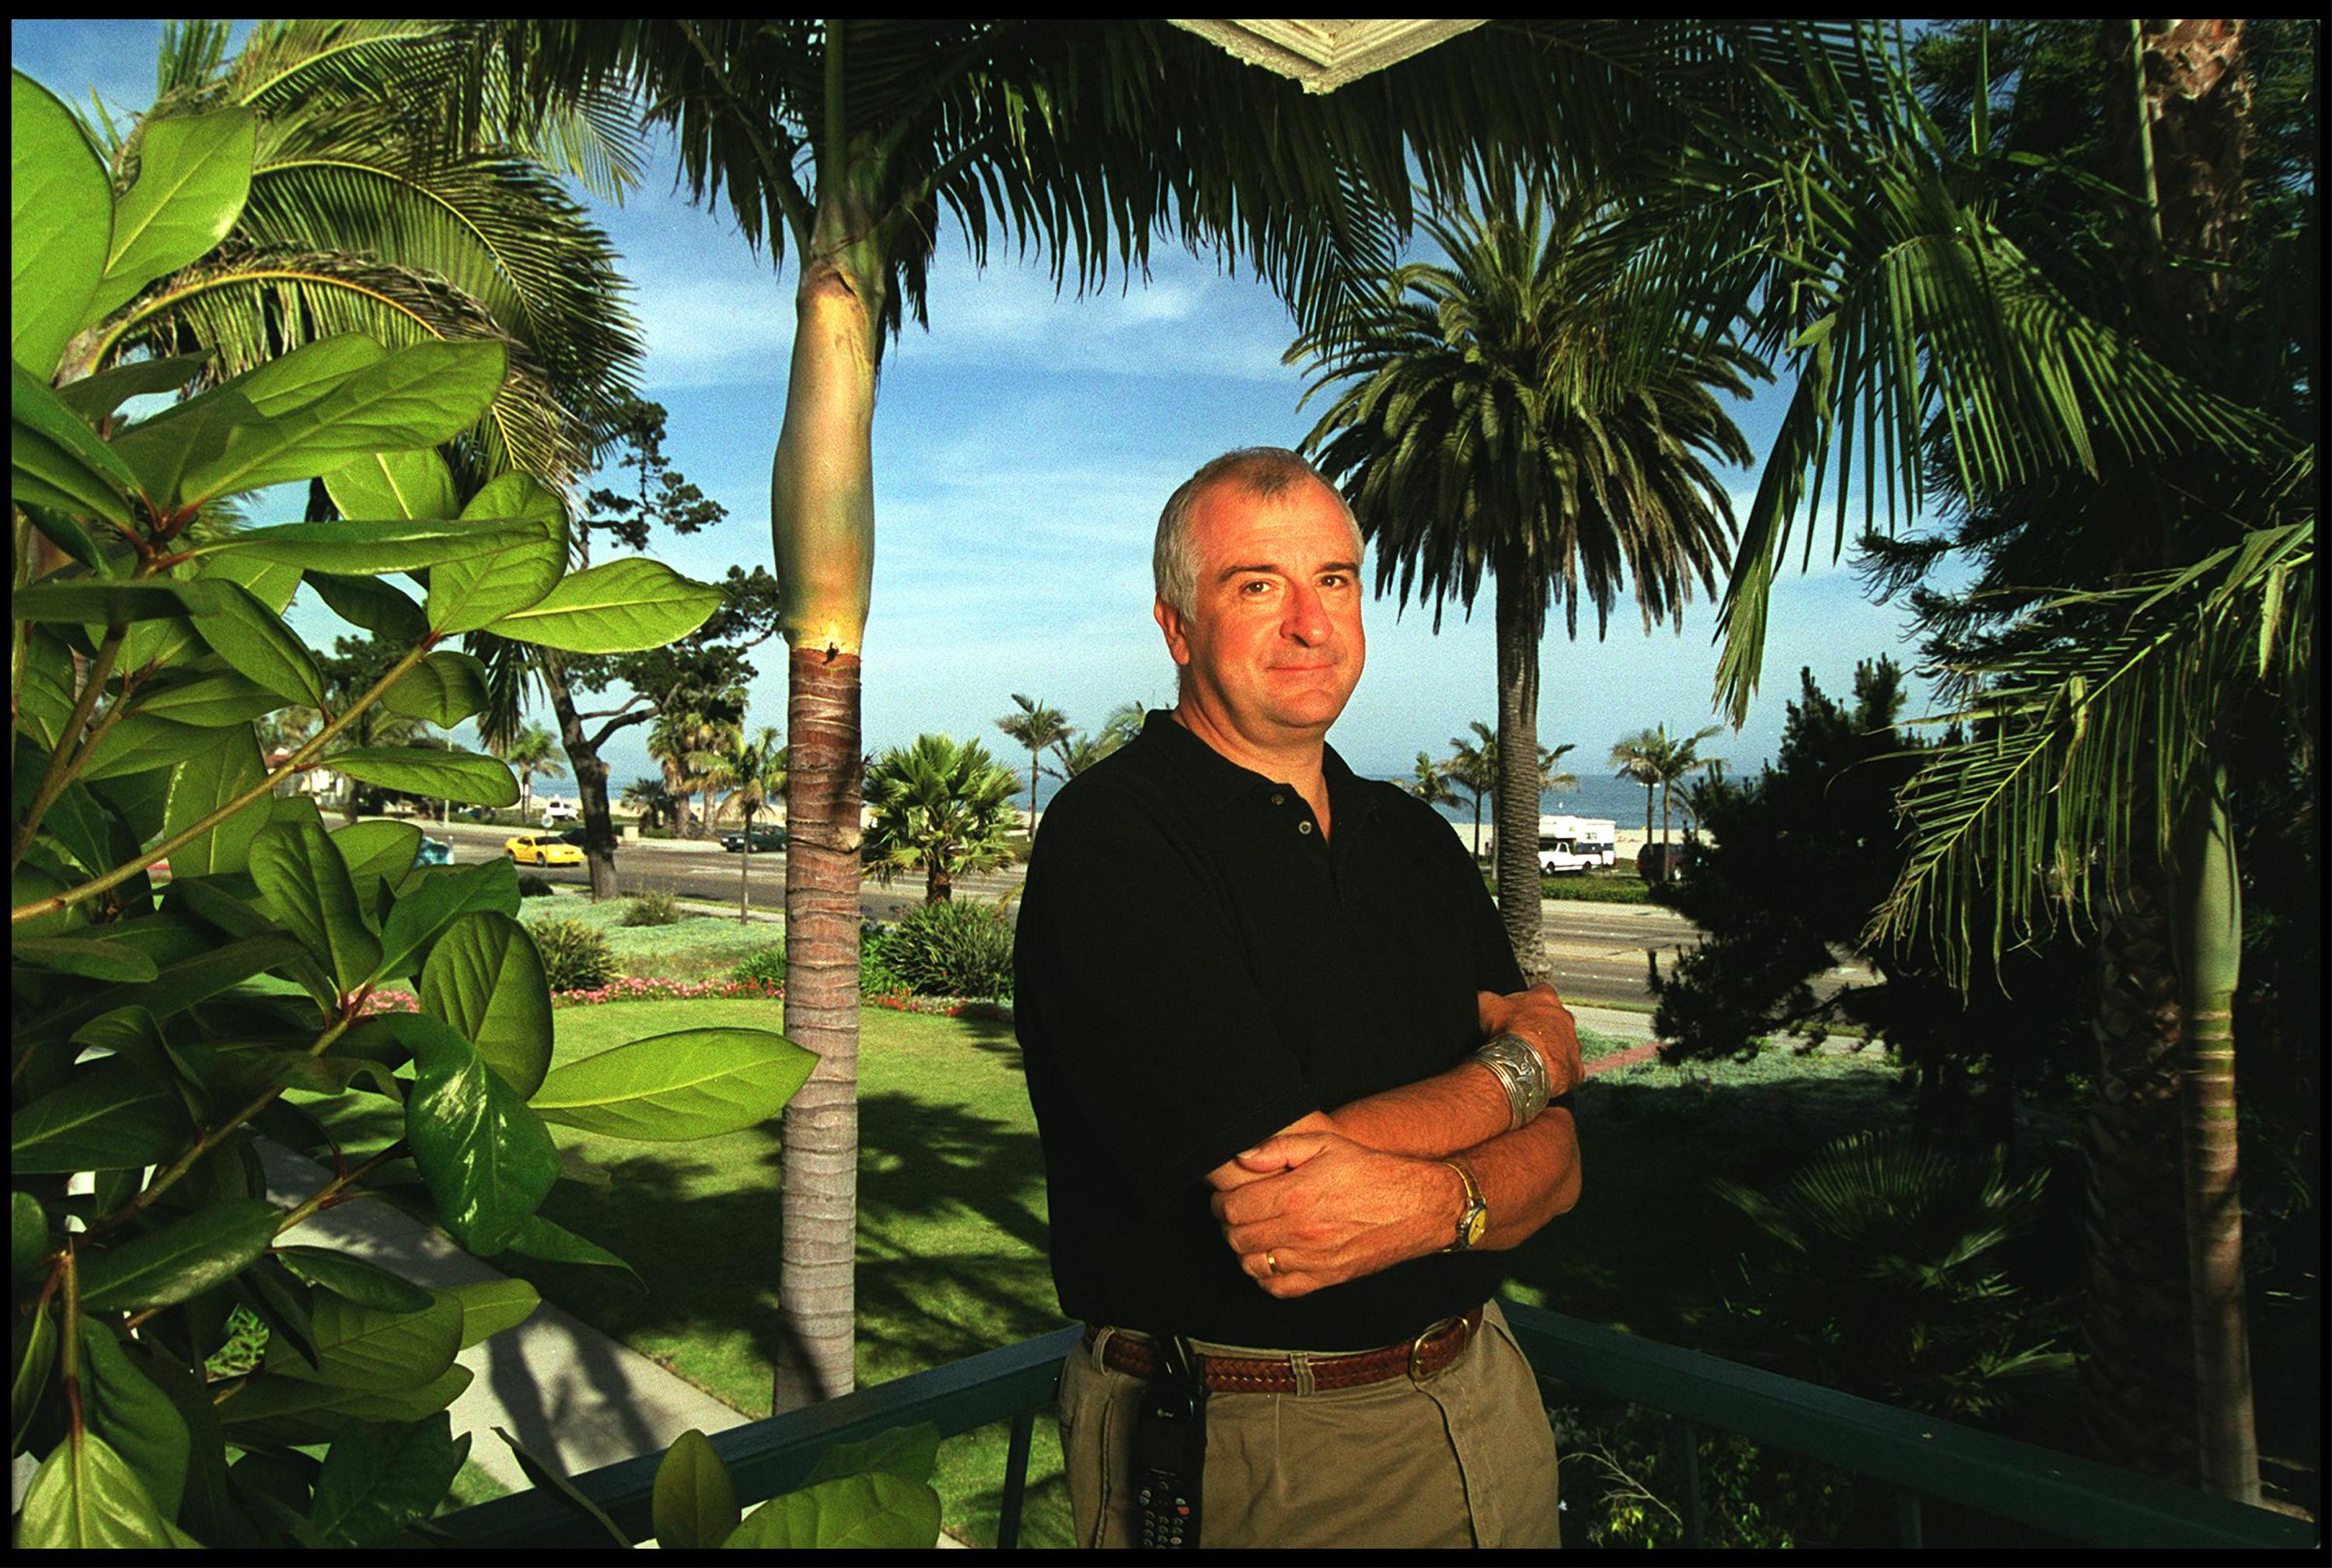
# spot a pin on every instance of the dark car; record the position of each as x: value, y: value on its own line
x: 574, y: 836
x: 764, y: 840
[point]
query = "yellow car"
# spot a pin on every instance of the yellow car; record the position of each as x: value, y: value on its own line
x: 533, y: 849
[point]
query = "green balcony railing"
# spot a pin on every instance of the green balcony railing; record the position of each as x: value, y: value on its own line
x: 1921, y: 1457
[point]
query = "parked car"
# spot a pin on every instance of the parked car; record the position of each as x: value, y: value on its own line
x: 574, y: 836
x: 764, y: 840
x: 537, y: 849
x: 433, y: 852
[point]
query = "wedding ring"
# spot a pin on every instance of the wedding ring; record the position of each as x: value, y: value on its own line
x: 1271, y: 1261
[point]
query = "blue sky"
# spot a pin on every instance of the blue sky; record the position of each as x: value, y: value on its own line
x: 1022, y: 449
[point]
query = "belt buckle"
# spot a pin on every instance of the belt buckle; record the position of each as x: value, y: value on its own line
x: 1417, y: 1373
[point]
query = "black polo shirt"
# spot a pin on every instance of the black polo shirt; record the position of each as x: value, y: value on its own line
x: 1195, y: 970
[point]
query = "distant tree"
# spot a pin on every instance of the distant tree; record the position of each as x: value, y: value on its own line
x: 1039, y: 728
x: 1782, y: 890
x: 1431, y: 782
x: 940, y: 807
x: 533, y: 749
x: 1077, y: 752
x: 658, y: 806
x: 354, y: 666
x: 1658, y: 760
x: 1125, y: 722
x: 1474, y: 767
x: 754, y: 774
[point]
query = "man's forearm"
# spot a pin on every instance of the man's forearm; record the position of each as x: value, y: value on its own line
x: 1448, y: 1113
x: 1527, y: 1176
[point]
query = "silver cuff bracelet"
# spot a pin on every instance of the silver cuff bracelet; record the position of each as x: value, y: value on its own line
x: 1520, y: 1073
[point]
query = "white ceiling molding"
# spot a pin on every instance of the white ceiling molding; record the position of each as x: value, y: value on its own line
x: 1323, y: 56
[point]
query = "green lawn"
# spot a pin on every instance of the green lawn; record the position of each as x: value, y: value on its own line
x: 695, y: 947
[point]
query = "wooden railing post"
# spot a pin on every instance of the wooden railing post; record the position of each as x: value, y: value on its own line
x: 1684, y: 1443
x: 1016, y: 1480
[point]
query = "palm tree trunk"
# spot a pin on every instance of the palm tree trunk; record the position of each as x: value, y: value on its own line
x: 2210, y: 934
x: 1517, y: 808
x: 822, y: 523
x: 2139, y: 1366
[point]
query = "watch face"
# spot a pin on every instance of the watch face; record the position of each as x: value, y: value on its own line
x: 1477, y: 1220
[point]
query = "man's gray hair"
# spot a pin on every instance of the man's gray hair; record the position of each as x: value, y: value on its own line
x: 1263, y: 471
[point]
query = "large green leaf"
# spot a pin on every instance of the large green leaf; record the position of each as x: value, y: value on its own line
x: 109, y: 1116
x: 362, y: 1282
x: 695, y: 1505
x: 194, y: 172
x: 488, y: 1161
x: 492, y: 1305
x: 365, y: 1348
x: 144, y: 743
x: 462, y: 775
x: 251, y: 637
x: 310, y: 892
x: 547, y: 1479
x: 912, y: 1452
x: 374, y: 605
x: 99, y: 602
x: 91, y: 960
x: 377, y: 854
x: 693, y: 1084
x: 55, y: 460
x: 272, y: 583
x: 408, y: 484
x: 227, y: 767
x: 486, y: 980
x: 179, y: 986
x: 539, y: 1237
x: 44, y: 700
x: 85, y: 1496
x: 305, y: 420
x: 616, y: 608
x: 432, y: 904
x: 95, y: 398
x: 294, y: 1409
x: 211, y: 698
x: 121, y: 1405
x: 476, y: 591
x: 378, y: 1478
x: 184, y: 1258
x: 444, y: 688
x: 28, y: 1236
x: 32, y: 1346
x: 883, y: 1511
x: 60, y: 225
x: 363, y: 548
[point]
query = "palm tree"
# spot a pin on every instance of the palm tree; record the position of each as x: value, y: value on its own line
x: 1474, y: 767
x: 1658, y: 760
x: 533, y: 749
x: 843, y: 140
x: 1039, y: 728
x: 754, y: 774
x: 1431, y: 782
x: 658, y: 805
x: 940, y: 807
x: 1125, y: 722
x: 1482, y: 430
x: 1077, y: 752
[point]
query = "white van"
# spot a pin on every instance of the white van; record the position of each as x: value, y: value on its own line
x: 1567, y: 843
x: 555, y: 811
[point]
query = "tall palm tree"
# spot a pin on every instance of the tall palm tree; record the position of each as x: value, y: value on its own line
x: 843, y: 140
x: 1659, y: 762
x: 656, y: 804
x: 1075, y: 752
x: 533, y: 749
x: 754, y: 774
x: 1039, y: 728
x: 1473, y: 767
x: 1125, y: 722
x: 1430, y: 781
x: 938, y: 807
x: 1480, y: 430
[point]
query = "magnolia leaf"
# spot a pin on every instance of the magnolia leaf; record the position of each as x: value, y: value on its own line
x: 561, y: 1487
x: 194, y: 173
x: 465, y: 595
x: 104, y: 960
x: 460, y: 776
x: 121, y: 1405
x: 361, y: 1282
x: 694, y: 1502
x: 109, y: 1116
x: 693, y: 1084
x: 620, y: 607
x: 56, y: 461
x: 486, y: 980
x: 540, y: 1238
x: 211, y: 698
x: 301, y: 1410
x: 253, y: 639
x: 85, y: 1496
x: 414, y: 485
x: 377, y: 853
x: 143, y: 744
x: 97, y: 397
x: 444, y: 688
x: 227, y: 767
x: 374, y: 605
x: 272, y: 583
x: 912, y: 1452
x: 429, y: 907
x: 33, y: 1341
x: 879, y: 1510
x: 28, y: 1236
x: 366, y: 1348
x: 100, y: 601
x: 377, y: 1480
x: 492, y: 1305
x: 487, y: 1160
x: 61, y: 225
x: 184, y: 1259
x: 310, y: 892
x: 363, y: 548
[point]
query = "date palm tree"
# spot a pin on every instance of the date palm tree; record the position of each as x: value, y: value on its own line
x: 654, y: 798
x: 1039, y: 728
x: 939, y: 808
x: 1473, y: 767
x: 1429, y: 782
x: 533, y: 749
x: 1659, y: 762
x: 1475, y: 432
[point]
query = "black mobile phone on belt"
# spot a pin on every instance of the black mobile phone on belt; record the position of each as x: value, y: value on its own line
x: 1169, y: 1452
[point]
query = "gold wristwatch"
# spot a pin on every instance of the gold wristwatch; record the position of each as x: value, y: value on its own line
x: 1474, y: 1221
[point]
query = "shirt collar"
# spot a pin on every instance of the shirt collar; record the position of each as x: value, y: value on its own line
x: 1220, y: 781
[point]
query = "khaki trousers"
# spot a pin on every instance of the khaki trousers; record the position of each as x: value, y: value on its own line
x: 1464, y: 1458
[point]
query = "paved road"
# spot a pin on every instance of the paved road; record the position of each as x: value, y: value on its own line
x: 1601, y: 954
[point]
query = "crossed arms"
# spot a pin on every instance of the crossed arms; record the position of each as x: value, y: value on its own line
x: 1339, y: 1194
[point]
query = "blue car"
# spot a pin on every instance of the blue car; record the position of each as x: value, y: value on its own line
x: 433, y: 852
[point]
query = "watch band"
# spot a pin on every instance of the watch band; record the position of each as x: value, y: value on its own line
x: 1519, y: 1071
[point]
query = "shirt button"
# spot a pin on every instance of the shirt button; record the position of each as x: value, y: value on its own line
x: 1303, y: 827
x: 1279, y: 800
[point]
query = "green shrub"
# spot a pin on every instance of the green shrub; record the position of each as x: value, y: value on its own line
x: 767, y: 967
x: 955, y: 949
x: 529, y: 886
x: 652, y: 909
x: 575, y: 956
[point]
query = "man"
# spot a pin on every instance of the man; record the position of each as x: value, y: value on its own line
x: 1253, y: 993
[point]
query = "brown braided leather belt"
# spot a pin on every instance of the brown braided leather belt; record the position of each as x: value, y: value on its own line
x: 1428, y: 1354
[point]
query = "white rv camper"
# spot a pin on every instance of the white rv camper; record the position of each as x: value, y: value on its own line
x: 1577, y: 843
